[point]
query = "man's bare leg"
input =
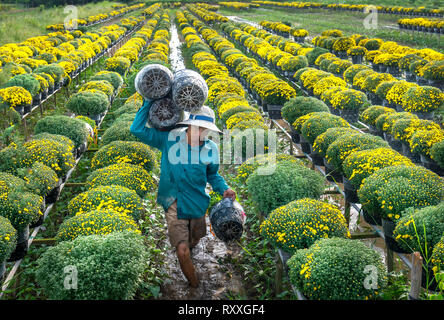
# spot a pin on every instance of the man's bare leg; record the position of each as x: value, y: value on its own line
x: 183, y: 254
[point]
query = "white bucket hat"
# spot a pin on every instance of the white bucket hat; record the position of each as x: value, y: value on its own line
x: 204, y: 117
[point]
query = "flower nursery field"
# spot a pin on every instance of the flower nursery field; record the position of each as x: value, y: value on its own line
x: 354, y: 209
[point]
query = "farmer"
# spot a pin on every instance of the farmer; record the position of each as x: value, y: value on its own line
x: 184, y: 177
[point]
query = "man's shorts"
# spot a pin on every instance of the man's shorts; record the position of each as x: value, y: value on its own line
x: 187, y: 230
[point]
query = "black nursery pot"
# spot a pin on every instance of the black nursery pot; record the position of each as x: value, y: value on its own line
x: 22, y: 245
x: 317, y: 159
x: 388, y: 226
x: 2, y: 270
x: 296, y: 137
x: 305, y: 145
x: 351, y: 194
x: 331, y: 174
x: 432, y: 165
x: 371, y: 218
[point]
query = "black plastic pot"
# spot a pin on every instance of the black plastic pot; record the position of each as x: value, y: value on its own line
x: 395, y: 144
x: 371, y: 218
x: 374, y: 131
x: 409, y: 154
x: 20, y: 109
x: 227, y: 220
x: 331, y: 173
x: 350, y: 191
x: 274, y: 111
x: 22, y: 245
x: 431, y: 164
x: 296, y: 137
x: 317, y: 159
x: 357, y: 59
x: 351, y: 116
x: 2, y: 270
x: 388, y: 226
x: 305, y: 145
x: 51, y: 197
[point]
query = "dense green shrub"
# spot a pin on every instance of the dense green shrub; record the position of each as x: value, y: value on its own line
x: 108, y: 267
x: 324, y: 140
x: 420, y: 230
x: 72, y: 128
x: 112, y: 77
x: 350, y: 100
x: 113, y: 197
x: 232, y: 111
x: 384, y: 87
x: 137, y: 153
x: 101, y: 222
x: 289, y: 181
x: 122, y: 174
x: 353, y: 70
x: 88, y: 103
x: 26, y: 81
x: 347, y: 144
x: 129, y: 107
x: 9, y: 182
x: 300, y: 106
x: 8, y: 238
x: 300, y: 223
x: 361, y: 164
x: 118, y: 132
x: 437, y: 153
x: 337, y: 269
x: 314, y: 54
x: 54, y: 70
x: 40, y: 179
x: 55, y: 137
x: 51, y: 153
x: 248, y: 141
x: 102, y: 86
x: 438, y: 256
x: 391, y: 190
x: 319, y: 122
x: 88, y: 121
x: 21, y: 208
x: 263, y: 160
x: 370, y: 114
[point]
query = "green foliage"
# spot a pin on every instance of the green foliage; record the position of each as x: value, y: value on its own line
x: 72, y: 128
x: 289, y: 181
x: 337, y: 269
x: 120, y: 132
x: 123, y: 174
x: 113, y: 197
x: 136, y: 153
x: 319, y: 122
x: 21, y: 208
x: 232, y: 111
x: 324, y: 140
x: 298, y: 224
x: 112, y: 77
x: 391, y: 190
x: 347, y: 144
x: 54, y: 70
x: 26, y: 81
x: 100, y: 222
x: 8, y: 238
x: 420, y: 230
x: 370, y: 114
x: 40, y: 179
x: 437, y: 153
x: 300, y: 106
x: 108, y: 267
x: 314, y: 54
x: 88, y: 103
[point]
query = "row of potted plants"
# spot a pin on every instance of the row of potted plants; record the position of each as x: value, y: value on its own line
x: 46, y: 160
x: 422, y: 24
x: 111, y: 209
x: 312, y: 128
x: 238, y: 5
x: 413, y: 11
x: 285, y: 30
x: 32, y: 79
x: 94, y: 19
x: 225, y: 94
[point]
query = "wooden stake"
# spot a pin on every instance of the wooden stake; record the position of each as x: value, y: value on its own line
x: 416, y: 276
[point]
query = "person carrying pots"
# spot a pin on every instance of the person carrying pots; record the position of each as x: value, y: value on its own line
x: 189, y: 161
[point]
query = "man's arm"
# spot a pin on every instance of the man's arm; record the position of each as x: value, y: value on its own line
x: 150, y: 136
x: 218, y: 182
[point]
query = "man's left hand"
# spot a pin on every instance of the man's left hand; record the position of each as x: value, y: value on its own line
x: 229, y: 193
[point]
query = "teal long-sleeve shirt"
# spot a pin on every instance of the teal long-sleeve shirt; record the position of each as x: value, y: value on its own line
x: 185, y: 170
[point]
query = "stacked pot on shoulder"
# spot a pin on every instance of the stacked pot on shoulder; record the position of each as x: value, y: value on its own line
x: 172, y: 94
